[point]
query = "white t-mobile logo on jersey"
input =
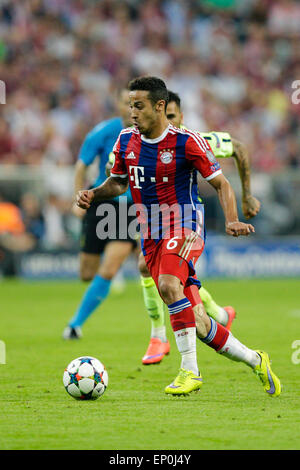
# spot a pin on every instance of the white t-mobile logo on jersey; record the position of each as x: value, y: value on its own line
x: 136, y: 177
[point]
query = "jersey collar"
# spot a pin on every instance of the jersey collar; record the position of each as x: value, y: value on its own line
x: 157, y: 139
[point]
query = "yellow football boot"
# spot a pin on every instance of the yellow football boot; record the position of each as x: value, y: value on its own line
x: 185, y: 382
x: 269, y: 380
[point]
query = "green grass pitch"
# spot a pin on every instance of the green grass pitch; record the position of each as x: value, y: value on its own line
x: 231, y: 412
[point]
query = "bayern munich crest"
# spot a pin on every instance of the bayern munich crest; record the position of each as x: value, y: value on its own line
x: 166, y: 156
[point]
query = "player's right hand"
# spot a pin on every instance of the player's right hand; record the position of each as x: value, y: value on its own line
x: 250, y: 206
x: 84, y: 198
x: 239, y: 228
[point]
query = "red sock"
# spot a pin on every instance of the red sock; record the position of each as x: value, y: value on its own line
x: 181, y: 315
x: 217, y: 335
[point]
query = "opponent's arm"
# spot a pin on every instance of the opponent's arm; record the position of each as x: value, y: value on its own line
x: 228, y: 202
x: 80, y: 176
x: 250, y: 205
x: 79, y: 182
x: 112, y: 187
x: 108, y: 167
x: 110, y: 163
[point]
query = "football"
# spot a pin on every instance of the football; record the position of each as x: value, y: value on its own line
x: 85, y: 378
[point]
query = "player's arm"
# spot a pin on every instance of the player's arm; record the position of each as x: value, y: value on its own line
x: 200, y: 154
x: 228, y: 202
x: 112, y: 187
x: 250, y: 204
x: 89, y: 150
x: 79, y: 176
x: 224, y: 146
x: 79, y: 182
x: 115, y: 185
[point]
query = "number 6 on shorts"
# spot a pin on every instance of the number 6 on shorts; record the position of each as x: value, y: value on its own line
x: 172, y: 243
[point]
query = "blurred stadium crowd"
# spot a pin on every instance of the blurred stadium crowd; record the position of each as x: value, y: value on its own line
x: 233, y: 64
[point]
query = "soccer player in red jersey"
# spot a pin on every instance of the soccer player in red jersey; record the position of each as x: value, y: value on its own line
x: 160, y: 163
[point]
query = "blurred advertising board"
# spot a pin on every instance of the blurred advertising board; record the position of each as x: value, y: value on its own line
x: 222, y: 258
x: 245, y: 258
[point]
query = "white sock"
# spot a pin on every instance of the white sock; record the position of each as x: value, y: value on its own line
x: 186, y: 344
x: 236, y: 351
x: 159, y: 332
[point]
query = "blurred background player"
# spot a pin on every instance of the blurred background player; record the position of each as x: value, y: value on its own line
x: 223, y: 146
x: 155, y: 144
x: 98, y: 143
x: 15, y: 236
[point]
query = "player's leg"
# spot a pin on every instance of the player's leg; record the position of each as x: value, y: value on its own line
x: 182, y: 319
x: 91, y: 248
x: 158, y: 346
x: 183, y: 324
x: 155, y: 308
x: 115, y: 253
x: 216, y: 335
x: 223, y: 315
x: 170, y: 273
x: 223, y: 342
x: 88, y: 265
x: 153, y: 302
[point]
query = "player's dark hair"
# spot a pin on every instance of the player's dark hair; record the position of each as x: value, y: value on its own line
x: 155, y: 86
x: 174, y: 97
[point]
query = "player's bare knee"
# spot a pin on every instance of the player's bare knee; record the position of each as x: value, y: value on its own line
x: 108, y: 272
x: 87, y: 272
x: 88, y: 266
x: 168, y: 290
x: 86, y: 276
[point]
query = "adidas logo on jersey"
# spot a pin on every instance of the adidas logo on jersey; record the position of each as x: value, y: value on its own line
x: 130, y: 155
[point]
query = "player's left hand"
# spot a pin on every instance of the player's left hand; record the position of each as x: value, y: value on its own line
x: 84, y: 198
x: 250, y: 206
x: 239, y: 228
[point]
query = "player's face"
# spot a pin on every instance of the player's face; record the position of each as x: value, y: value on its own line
x: 174, y: 115
x: 124, y: 108
x: 144, y: 114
